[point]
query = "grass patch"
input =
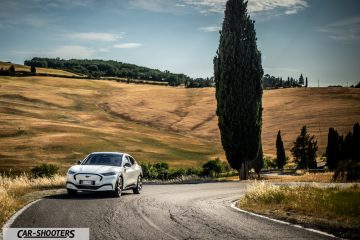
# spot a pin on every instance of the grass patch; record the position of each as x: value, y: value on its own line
x: 14, y: 192
x: 333, y: 209
x: 301, y: 177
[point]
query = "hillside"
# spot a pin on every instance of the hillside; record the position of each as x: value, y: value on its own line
x: 192, y: 111
x: 59, y: 120
x: 19, y: 67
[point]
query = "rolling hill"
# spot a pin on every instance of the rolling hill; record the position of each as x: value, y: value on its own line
x: 19, y: 67
x: 60, y: 120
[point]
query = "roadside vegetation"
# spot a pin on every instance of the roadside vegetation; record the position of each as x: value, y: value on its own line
x: 334, y: 209
x: 210, y: 170
x: 17, y: 191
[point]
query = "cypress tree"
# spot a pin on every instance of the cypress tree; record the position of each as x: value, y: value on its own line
x: 12, y: 69
x: 332, y: 149
x: 33, y: 69
x: 238, y: 73
x: 304, y: 150
x: 306, y: 82
x: 280, y: 152
x: 345, y: 146
x: 258, y: 163
x: 355, y: 153
x: 301, y: 79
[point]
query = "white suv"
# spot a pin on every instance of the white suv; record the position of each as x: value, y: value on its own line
x: 105, y: 171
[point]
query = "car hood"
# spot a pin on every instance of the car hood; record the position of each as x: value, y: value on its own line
x: 98, y: 169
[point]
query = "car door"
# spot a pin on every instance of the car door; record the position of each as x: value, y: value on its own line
x: 136, y: 167
x: 130, y: 177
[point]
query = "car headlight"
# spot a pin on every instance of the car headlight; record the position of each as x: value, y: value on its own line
x: 71, y: 172
x: 109, y: 174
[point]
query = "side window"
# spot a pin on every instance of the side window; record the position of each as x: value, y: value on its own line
x: 132, y: 161
x: 126, y: 160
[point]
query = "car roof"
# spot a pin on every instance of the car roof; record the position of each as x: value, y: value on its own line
x: 119, y: 153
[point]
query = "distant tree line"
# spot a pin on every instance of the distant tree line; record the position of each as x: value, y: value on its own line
x: 342, y: 153
x: 200, y: 83
x: 7, y: 72
x: 271, y: 82
x: 108, y: 68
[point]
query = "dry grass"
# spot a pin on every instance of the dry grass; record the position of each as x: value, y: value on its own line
x: 60, y: 120
x: 19, y: 67
x: 301, y: 177
x: 192, y: 111
x: 14, y: 191
x: 298, y: 177
x: 332, y: 207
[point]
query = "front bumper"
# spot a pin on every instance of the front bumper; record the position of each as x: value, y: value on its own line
x: 99, y: 182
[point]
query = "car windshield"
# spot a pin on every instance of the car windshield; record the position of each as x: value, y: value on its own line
x: 104, y: 159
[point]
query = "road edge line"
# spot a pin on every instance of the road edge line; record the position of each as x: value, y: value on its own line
x: 12, y: 219
x: 233, y: 205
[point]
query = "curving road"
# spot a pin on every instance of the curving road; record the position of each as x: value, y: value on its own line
x: 183, y: 211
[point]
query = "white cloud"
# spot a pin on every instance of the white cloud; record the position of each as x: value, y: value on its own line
x: 70, y: 51
x: 347, y: 30
x: 103, y: 50
x: 153, y: 5
x: 127, y: 45
x: 96, y: 36
x: 254, y: 6
x: 213, y: 28
x: 284, y: 6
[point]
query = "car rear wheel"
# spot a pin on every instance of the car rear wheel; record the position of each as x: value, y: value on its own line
x: 118, y: 187
x: 71, y: 192
x: 138, y: 187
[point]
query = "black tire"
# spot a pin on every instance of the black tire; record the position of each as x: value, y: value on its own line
x: 71, y: 192
x: 118, y: 187
x: 138, y: 187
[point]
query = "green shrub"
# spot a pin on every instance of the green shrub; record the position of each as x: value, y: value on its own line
x: 269, y: 162
x: 44, y: 170
x: 215, y: 168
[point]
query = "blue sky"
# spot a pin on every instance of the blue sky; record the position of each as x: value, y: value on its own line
x: 318, y: 38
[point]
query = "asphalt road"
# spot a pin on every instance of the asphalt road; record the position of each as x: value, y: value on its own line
x: 184, y: 211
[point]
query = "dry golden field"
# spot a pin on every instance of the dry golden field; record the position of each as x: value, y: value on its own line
x: 60, y: 120
x: 192, y: 111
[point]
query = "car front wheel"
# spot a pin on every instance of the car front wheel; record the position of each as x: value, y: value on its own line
x: 138, y: 187
x: 118, y: 187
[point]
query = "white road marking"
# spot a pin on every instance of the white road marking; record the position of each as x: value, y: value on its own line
x: 233, y: 205
x: 18, y: 213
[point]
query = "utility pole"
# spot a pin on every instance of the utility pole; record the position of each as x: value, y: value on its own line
x: 318, y: 83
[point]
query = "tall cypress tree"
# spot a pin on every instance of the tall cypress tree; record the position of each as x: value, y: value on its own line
x: 280, y: 152
x: 301, y: 79
x: 332, y: 149
x: 238, y: 73
x: 355, y: 153
x: 258, y: 163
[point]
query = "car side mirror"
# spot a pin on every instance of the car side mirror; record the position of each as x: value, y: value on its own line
x: 127, y: 165
x: 79, y: 162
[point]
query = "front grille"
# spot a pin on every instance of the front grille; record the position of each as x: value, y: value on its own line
x: 87, y: 187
